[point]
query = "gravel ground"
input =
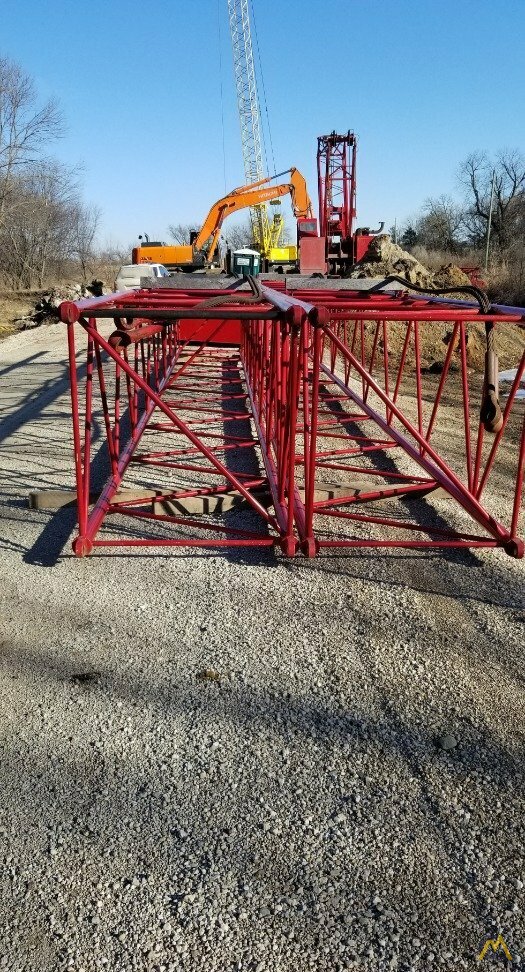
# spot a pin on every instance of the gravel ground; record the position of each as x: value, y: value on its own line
x: 289, y: 810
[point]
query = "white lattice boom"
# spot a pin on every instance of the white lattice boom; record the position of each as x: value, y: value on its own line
x: 249, y: 114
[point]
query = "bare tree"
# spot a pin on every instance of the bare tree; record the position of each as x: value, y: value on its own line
x: 440, y: 225
x: 44, y: 224
x: 508, y: 216
x: 181, y: 232
x: 85, y: 221
x: 41, y: 233
x: 108, y: 258
x: 237, y: 235
x: 25, y: 126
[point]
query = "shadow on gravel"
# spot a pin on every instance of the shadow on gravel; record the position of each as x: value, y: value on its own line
x: 419, y: 510
x: 479, y: 753
x: 49, y: 545
x: 265, y: 721
x: 280, y: 711
x: 21, y: 364
x: 39, y: 395
x: 243, y: 459
x: 425, y: 573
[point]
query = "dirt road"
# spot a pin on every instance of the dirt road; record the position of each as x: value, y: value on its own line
x: 294, y: 814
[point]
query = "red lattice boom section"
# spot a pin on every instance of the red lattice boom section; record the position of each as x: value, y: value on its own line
x: 303, y: 421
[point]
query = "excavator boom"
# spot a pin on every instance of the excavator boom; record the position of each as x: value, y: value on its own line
x: 205, y: 244
x: 253, y: 195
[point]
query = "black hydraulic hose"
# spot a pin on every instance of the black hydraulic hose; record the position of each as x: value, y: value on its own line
x: 479, y: 296
x: 256, y: 296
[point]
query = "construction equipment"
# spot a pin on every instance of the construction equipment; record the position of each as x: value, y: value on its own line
x: 336, y: 247
x: 297, y: 413
x: 333, y: 247
x: 266, y: 232
x: 201, y: 252
x: 336, y: 174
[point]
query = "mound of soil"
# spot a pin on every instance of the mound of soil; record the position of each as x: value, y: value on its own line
x: 20, y: 311
x: 384, y: 258
x: 450, y: 276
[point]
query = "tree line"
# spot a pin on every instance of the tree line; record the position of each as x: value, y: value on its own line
x: 44, y: 223
x: 457, y: 226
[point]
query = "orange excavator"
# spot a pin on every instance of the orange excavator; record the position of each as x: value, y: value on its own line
x: 201, y: 251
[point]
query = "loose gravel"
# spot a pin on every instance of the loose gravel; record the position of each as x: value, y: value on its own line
x: 237, y: 762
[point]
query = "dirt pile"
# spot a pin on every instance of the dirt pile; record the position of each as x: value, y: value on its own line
x: 12, y: 307
x: 450, y: 276
x: 385, y: 258
x: 45, y: 309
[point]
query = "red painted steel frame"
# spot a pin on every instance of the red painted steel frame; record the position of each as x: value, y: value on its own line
x: 336, y: 177
x: 315, y: 388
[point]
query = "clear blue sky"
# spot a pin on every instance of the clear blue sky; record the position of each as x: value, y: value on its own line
x: 421, y: 82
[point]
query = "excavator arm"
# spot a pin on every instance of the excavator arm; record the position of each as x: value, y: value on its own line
x: 252, y: 195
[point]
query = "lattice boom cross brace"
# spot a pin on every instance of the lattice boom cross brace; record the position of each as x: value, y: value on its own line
x: 314, y: 411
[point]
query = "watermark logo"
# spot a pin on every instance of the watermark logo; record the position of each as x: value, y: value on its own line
x: 496, y: 944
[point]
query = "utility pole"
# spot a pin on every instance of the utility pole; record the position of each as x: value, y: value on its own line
x: 487, y: 244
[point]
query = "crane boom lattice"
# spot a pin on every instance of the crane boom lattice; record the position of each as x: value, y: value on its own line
x: 250, y: 119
